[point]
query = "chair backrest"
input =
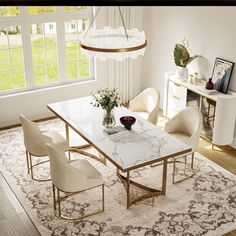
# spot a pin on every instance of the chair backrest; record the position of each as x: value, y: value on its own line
x: 34, y: 140
x: 147, y: 101
x: 150, y: 99
x: 64, y: 176
x: 58, y: 165
x: 189, y: 122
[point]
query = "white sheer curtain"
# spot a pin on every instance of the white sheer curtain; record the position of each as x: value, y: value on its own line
x: 120, y: 72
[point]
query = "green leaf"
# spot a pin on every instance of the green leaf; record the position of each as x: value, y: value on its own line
x: 181, y: 55
x: 192, y: 58
x: 177, y: 55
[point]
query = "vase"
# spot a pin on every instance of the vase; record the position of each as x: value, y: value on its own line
x: 209, y: 84
x: 181, y: 73
x: 109, y: 118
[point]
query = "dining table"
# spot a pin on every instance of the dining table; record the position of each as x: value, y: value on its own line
x: 145, y: 144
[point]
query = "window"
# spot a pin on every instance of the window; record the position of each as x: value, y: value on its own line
x: 74, y: 8
x: 12, y: 70
x: 44, y: 53
x: 50, y: 26
x: 9, y: 11
x: 37, y: 52
x: 77, y: 64
x: 72, y: 26
x: 41, y: 10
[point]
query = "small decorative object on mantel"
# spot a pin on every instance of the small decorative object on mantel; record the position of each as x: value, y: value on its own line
x: 209, y: 84
x: 127, y: 121
x: 195, y: 78
x: 190, y: 80
x: 108, y: 99
x: 182, y: 59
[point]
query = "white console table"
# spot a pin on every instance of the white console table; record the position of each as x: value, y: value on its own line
x: 178, y: 95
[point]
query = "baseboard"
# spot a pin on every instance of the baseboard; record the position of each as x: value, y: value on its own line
x: 36, y: 118
x: 233, y: 145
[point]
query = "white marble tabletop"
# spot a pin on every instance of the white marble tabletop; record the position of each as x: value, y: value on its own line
x: 145, y: 143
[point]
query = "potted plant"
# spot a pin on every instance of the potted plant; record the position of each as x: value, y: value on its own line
x: 182, y: 59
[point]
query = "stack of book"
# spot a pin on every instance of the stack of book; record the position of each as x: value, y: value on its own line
x: 115, y: 130
x: 207, y: 91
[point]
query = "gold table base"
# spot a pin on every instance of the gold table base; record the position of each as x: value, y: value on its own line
x: 149, y: 192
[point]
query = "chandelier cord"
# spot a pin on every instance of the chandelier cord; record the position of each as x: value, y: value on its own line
x: 122, y: 19
x: 123, y: 24
x: 91, y: 22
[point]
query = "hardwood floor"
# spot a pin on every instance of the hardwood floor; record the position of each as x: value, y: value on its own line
x: 13, y: 218
x: 15, y: 221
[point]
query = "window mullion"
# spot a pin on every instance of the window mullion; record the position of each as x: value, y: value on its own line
x: 59, y: 10
x: 61, y: 51
x: 27, y: 49
x: 9, y: 56
x: 45, y: 53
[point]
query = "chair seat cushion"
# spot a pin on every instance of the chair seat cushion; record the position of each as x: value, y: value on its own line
x: 86, y: 167
x: 58, y: 140
x: 182, y: 137
x: 94, y: 177
x: 144, y: 115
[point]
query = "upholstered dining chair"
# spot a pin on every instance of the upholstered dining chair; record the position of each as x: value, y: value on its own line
x: 35, y: 143
x: 146, y: 104
x: 72, y: 177
x: 185, y: 126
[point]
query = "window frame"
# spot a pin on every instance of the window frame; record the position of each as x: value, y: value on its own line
x: 24, y: 20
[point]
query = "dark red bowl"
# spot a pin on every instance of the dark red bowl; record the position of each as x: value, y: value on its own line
x: 127, y: 121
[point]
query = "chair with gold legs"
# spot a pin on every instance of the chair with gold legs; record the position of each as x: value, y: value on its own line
x: 146, y: 104
x: 35, y: 143
x: 72, y: 177
x: 185, y: 126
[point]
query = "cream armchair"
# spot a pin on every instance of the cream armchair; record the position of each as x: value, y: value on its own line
x: 72, y: 177
x: 146, y: 104
x: 186, y: 126
x: 35, y: 143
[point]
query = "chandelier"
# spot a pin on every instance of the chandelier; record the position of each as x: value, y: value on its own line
x: 113, y: 43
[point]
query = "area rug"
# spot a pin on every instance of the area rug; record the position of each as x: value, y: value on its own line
x: 202, y: 205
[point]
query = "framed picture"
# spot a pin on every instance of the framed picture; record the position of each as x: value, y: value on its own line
x: 221, y: 74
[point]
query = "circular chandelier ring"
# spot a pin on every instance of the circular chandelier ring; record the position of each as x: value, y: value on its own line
x: 114, y: 49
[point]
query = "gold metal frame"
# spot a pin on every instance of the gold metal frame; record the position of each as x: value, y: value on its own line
x: 30, y: 166
x: 150, y: 192
x: 112, y: 50
x: 80, y: 149
x: 59, y: 200
x: 174, y: 161
x: 185, y: 162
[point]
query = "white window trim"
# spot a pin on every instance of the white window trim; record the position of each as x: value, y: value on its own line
x: 24, y: 20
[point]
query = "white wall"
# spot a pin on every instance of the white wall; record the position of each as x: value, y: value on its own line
x: 209, y: 30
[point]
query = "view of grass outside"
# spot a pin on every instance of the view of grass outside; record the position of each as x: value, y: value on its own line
x: 12, y: 74
x: 77, y: 64
x: 73, y: 52
x: 44, y: 56
x: 16, y: 79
